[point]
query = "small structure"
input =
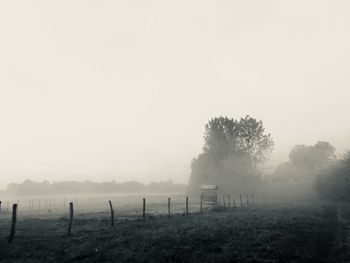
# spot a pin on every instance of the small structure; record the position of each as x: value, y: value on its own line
x: 209, y: 194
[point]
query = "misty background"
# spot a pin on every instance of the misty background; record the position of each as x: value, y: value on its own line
x: 88, y: 91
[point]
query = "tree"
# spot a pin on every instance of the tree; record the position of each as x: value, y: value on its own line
x: 232, y: 151
x: 303, y: 167
x: 312, y: 157
x: 334, y: 182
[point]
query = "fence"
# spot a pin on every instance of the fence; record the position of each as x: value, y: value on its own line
x: 172, y: 206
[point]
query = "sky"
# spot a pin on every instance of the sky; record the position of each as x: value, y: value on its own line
x: 121, y: 90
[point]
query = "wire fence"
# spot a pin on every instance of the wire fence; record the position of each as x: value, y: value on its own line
x: 113, y: 207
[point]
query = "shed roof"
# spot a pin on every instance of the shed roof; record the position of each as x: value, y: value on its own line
x: 209, y: 187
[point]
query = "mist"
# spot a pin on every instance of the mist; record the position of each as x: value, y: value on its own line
x: 122, y: 90
x: 174, y: 131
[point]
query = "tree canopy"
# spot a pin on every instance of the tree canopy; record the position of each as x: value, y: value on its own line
x: 313, y: 157
x: 225, y: 136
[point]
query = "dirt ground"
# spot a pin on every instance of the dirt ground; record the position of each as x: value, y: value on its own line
x: 295, y: 233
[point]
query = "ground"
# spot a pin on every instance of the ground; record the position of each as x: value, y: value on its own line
x: 270, y: 233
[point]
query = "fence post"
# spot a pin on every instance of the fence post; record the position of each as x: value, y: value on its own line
x: 144, y: 210
x: 234, y: 203
x: 71, y: 215
x: 186, y: 205
x: 0, y: 206
x: 240, y: 198
x: 246, y: 196
x: 229, y: 201
x: 201, y: 207
x: 112, y: 213
x: 13, y: 224
x: 169, y: 206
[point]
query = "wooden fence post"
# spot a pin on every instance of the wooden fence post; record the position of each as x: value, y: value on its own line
x: 112, y: 213
x: 13, y: 224
x: 246, y: 196
x: 0, y: 206
x: 144, y: 210
x: 169, y: 206
x: 71, y: 215
x: 240, y: 198
x: 201, y: 207
x: 186, y: 205
x: 223, y: 200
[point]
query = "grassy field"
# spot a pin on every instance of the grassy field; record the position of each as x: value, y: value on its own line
x: 295, y: 233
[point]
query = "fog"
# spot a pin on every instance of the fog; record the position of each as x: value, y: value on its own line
x: 121, y: 90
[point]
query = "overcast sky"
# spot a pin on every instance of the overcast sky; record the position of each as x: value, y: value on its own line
x: 105, y: 90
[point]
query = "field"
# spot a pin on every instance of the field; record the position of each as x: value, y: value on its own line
x: 298, y: 232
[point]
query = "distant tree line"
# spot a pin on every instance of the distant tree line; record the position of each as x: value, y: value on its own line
x: 29, y: 187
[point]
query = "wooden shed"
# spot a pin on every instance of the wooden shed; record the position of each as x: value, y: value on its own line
x: 209, y: 194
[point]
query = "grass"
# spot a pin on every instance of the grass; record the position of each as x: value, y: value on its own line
x: 269, y: 234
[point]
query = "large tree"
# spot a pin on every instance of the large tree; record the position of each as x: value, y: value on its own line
x: 233, y: 150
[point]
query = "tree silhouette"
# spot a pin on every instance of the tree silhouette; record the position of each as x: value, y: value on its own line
x: 232, y: 151
x: 333, y: 182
